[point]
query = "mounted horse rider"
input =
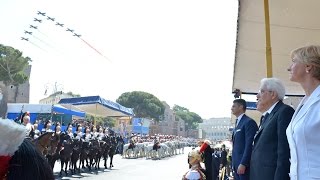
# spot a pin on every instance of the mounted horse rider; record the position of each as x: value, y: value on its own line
x: 132, y: 142
x: 78, y: 133
x: 26, y: 122
x: 37, y: 132
x: 47, y: 127
x: 101, y: 135
x: 94, y: 133
x: 156, y: 146
x: 87, y: 136
x: 69, y: 132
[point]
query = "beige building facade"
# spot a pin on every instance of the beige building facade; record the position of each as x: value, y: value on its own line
x: 217, y: 129
x: 169, y: 124
x: 55, y: 98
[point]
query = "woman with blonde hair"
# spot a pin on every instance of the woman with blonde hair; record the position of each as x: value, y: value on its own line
x: 303, y: 130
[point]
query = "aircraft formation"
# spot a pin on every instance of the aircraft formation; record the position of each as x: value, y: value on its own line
x: 39, y: 20
x: 41, y: 16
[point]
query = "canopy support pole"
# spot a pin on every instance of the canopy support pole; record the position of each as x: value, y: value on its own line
x: 268, y: 41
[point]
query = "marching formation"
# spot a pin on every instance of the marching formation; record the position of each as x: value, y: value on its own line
x: 83, y: 148
x: 154, y: 147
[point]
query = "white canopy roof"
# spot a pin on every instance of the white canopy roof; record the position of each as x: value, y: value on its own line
x: 293, y: 23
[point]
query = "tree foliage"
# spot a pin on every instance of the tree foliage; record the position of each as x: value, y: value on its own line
x: 144, y: 104
x: 193, y: 119
x: 101, y: 121
x: 73, y: 95
x: 12, y: 66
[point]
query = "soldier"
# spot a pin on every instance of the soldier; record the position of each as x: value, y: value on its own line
x: 195, y: 171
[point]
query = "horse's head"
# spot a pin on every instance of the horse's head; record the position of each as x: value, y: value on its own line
x: 53, y: 143
x: 43, y: 141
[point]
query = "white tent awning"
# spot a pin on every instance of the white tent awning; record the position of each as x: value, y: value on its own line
x: 293, y: 23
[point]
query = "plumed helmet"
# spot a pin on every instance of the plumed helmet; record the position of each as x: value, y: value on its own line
x: 195, y: 156
x: 9, y: 146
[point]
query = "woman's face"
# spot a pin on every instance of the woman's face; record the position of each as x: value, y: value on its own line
x: 69, y: 129
x: 87, y: 130
x: 58, y: 128
x: 49, y: 125
x: 297, y: 71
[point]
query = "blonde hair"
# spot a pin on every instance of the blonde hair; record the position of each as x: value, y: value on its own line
x: 309, y: 55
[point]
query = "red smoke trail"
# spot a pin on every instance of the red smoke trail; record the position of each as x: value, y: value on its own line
x: 95, y: 49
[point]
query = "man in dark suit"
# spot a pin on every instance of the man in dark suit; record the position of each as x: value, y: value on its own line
x: 270, y: 153
x: 243, y: 134
x: 223, y: 156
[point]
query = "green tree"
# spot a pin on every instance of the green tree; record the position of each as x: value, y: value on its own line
x: 102, y: 121
x: 193, y: 119
x: 12, y: 66
x: 73, y: 95
x: 144, y: 104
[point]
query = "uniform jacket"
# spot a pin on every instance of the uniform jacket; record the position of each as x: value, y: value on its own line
x: 304, y: 139
x: 270, y: 153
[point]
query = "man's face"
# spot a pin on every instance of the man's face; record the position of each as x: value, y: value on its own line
x: 26, y: 120
x: 236, y: 109
x: 265, y: 98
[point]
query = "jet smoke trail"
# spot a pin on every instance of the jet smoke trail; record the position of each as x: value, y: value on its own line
x: 95, y: 49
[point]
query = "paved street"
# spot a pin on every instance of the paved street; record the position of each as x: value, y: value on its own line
x: 170, y: 168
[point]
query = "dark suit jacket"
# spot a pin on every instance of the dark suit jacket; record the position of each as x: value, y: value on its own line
x: 223, y: 158
x: 270, y: 153
x: 207, y: 157
x: 242, y: 141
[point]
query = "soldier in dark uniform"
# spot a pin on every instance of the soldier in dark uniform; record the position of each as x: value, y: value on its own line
x: 156, y: 146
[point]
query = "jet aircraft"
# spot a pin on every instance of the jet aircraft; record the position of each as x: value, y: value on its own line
x: 78, y: 35
x: 28, y: 32
x: 71, y: 30
x: 33, y: 27
x: 50, y: 18
x: 59, y: 24
x: 41, y: 13
x: 37, y: 20
x: 24, y: 39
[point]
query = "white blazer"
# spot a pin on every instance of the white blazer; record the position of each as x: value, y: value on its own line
x: 303, y: 135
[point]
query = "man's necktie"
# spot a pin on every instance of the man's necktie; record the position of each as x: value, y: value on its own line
x: 236, y: 123
x: 263, y: 118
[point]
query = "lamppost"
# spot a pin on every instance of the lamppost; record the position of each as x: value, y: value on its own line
x: 187, y: 129
x: 1, y: 95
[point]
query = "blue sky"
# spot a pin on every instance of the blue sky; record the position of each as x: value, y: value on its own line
x: 181, y: 51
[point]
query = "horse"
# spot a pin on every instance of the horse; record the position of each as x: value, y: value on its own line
x: 65, y: 155
x: 55, y: 148
x: 84, y: 154
x: 42, y: 142
x: 93, y: 152
x: 75, y: 155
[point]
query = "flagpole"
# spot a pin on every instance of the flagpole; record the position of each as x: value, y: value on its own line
x: 268, y: 39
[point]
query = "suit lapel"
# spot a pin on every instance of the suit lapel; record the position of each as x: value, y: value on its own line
x: 243, y: 118
x: 267, y: 120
